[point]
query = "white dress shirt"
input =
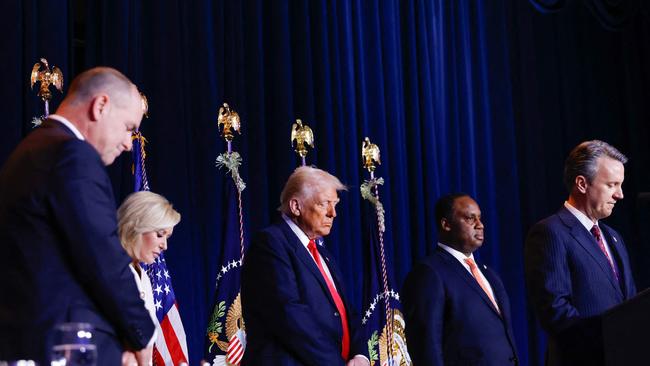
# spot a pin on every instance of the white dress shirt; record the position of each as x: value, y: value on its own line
x: 461, y: 258
x: 588, y: 224
x: 68, y: 124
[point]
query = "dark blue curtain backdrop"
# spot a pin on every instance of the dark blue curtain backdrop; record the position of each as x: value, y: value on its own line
x: 485, y: 97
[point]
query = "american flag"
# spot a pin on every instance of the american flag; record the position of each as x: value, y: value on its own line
x: 170, y: 348
x: 171, y: 344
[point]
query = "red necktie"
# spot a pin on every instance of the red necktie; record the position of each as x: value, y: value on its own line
x: 479, y: 279
x: 595, y: 231
x: 345, y: 344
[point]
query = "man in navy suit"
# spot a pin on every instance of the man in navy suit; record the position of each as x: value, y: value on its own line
x: 576, y: 266
x: 60, y: 257
x: 293, y: 300
x: 457, y: 311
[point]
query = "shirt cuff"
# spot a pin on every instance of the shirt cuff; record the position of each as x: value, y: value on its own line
x: 362, y: 356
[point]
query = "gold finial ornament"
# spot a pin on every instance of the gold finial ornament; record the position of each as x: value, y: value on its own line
x: 370, y: 155
x: 302, y: 135
x: 46, y: 77
x: 229, y: 119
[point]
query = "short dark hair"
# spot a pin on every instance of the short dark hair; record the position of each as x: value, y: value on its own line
x: 445, y: 206
x: 583, y: 160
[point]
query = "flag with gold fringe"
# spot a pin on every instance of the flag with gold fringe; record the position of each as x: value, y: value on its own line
x: 170, y: 348
x: 226, y: 332
x: 382, y: 320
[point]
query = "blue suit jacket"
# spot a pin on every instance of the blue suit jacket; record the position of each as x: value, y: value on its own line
x: 60, y: 257
x: 570, y: 283
x: 290, y: 316
x: 449, y: 318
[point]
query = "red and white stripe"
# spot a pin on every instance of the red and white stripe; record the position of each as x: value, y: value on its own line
x: 170, y: 348
x: 236, y: 347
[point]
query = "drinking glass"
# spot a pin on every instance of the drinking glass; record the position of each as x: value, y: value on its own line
x: 73, y: 345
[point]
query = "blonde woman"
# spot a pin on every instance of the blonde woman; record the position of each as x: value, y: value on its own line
x: 145, y: 221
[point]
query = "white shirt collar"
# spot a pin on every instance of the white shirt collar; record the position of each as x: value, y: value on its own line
x: 68, y: 124
x: 458, y: 255
x: 584, y: 220
x: 296, y: 230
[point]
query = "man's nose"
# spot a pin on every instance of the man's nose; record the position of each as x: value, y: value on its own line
x: 619, y: 193
x: 479, y: 224
x: 331, y: 211
x: 128, y: 142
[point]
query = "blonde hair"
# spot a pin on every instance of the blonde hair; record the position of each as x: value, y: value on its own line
x: 143, y: 212
x: 304, y: 182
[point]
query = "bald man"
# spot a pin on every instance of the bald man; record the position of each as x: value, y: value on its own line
x: 60, y: 257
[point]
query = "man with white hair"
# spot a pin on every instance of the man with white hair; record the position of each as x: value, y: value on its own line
x: 293, y: 299
x: 60, y: 258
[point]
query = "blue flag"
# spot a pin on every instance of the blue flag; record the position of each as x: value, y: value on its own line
x: 226, y: 337
x: 382, y: 320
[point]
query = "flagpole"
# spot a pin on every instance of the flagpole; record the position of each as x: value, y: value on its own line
x: 229, y: 120
x: 370, y: 155
x: 166, y: 309
x: 230, y: 340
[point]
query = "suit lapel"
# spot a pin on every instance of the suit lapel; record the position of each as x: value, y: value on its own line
x: 334, y: 271
x: 589, y: 244
x: 306, y: 258
x: 462, y: 272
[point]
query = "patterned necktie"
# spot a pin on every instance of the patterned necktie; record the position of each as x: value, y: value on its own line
x: 595, y: 231
x: 479, y: 279
x: 345, y: 342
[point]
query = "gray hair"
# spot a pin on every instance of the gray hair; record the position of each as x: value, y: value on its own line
x: 583, y: 160
x: 101, y: 79
x: 304, y: 182
x: 143, y: 212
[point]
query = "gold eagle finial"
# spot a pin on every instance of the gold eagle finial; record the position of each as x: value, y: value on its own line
x: 370, y: 155
x: 46, y: 77
x: 302, y: 135
x: 229, y: 119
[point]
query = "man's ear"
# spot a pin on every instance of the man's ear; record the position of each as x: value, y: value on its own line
x: 294, y: 207
x: 99, y: 106
x: 581, y: 184
x: 445, y: 225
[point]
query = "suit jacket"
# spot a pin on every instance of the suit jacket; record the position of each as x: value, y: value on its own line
x: 449, y: 318
x: 60, y: 257
x: 571, y: 283
x: 290, y: 316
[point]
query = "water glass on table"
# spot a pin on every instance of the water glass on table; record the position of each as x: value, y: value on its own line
x: 73, y: 345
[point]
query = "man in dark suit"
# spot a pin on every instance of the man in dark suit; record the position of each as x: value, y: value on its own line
x: 457, y: 312
x: 60, y: 257
x: 576, y: 266
x: 293, y: 300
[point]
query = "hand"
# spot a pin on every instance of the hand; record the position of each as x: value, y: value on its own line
x: 144, y: 355
x: 128, y: 359
x: 358, y: 360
